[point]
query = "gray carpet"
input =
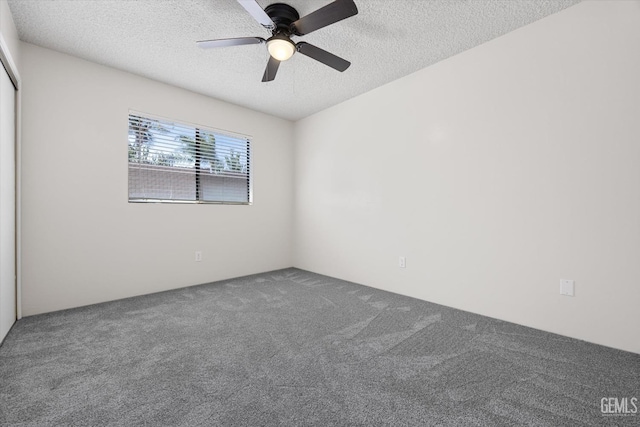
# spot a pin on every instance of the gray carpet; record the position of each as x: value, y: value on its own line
x: 295, y: 348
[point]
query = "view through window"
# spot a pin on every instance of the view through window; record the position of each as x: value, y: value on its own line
x: 177, y: 162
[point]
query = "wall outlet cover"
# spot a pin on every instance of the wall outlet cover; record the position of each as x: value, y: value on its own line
x: 567, y: 287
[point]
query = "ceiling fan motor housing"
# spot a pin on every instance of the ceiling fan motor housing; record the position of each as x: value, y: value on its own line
x: 283, y: 16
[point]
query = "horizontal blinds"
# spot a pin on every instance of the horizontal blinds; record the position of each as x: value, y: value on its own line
x: 179, y: 162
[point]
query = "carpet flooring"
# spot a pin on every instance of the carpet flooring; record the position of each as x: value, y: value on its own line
x: 295, y: 348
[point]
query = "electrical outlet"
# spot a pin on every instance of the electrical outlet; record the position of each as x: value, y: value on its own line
x: 567, y: 287
x: 198, y: 256
x: 402, y: 262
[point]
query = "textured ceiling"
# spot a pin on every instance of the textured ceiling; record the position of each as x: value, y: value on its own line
x: 388, y: 39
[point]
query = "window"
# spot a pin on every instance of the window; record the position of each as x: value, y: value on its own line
x: 176, y: 162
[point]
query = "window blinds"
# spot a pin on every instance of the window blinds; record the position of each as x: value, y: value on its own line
x: 171, y: 161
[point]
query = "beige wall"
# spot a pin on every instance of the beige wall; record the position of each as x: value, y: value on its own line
x: 496, y: 173
x: 82, y: 241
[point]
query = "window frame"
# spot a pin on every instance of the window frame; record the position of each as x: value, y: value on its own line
x: 197, y: 128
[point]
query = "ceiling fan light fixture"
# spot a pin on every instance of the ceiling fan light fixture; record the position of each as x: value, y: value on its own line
x: 284, y: 22
x: 280, y: 48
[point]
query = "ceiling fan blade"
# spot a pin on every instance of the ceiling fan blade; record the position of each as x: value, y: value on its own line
x: 327, y: 15
x: 208, y: 44
x: 258, y: 13
x: 271, y: 70
x: 323, y: 56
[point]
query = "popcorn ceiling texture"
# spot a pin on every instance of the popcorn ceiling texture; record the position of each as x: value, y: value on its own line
x: 156, y: 39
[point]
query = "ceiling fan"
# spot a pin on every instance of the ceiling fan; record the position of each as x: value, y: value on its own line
x: 284, y: 22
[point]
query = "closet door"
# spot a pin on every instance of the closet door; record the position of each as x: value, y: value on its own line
x: 7, y: 204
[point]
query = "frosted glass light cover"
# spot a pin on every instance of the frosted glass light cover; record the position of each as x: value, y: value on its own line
x: 280, y: 49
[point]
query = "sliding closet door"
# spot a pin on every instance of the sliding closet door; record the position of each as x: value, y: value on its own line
x: 7, y: 205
